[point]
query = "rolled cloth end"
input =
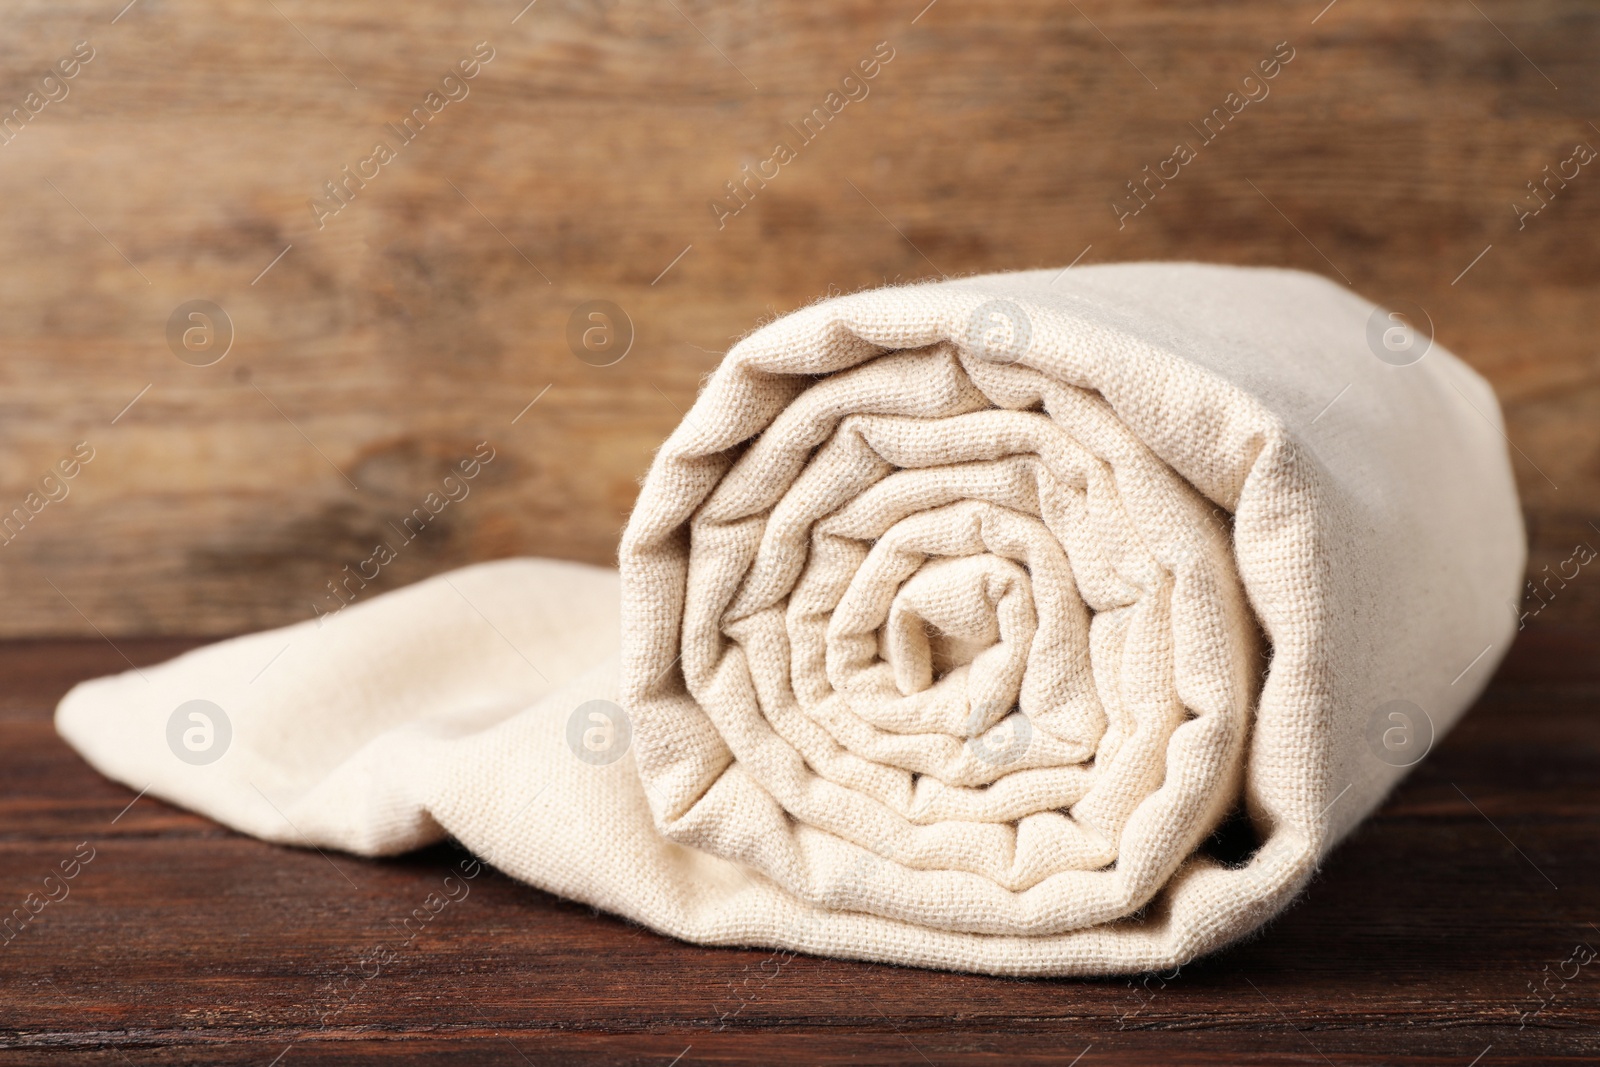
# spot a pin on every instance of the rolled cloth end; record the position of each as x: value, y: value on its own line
x: 1035, y: 623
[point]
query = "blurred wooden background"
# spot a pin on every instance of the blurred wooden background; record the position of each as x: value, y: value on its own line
x: 424, y: 316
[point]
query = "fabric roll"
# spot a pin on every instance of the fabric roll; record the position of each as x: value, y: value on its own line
x: 1044, y: 623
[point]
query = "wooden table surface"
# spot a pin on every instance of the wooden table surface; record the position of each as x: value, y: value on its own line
x: 180, y: 942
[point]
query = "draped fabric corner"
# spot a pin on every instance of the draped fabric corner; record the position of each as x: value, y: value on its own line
x: 953, y: 622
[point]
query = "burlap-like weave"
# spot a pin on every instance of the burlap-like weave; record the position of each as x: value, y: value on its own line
x: 954, y: 620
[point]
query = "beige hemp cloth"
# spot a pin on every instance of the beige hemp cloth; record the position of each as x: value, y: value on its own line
x: 954, y: 619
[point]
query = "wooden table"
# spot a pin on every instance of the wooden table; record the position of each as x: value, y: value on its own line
x: 181, y: 942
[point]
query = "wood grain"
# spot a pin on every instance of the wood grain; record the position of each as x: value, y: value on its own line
x: 183, y: 943
x: 426, y: 314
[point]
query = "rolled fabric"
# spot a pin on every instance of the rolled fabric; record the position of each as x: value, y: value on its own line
x: 955, y: 619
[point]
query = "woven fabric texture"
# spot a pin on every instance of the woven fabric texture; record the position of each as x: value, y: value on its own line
x: 951, y: 624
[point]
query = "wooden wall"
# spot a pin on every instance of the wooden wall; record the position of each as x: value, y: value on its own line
x: 580, y: 162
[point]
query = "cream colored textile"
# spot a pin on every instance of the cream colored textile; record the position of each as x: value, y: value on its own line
x: 954, y: 620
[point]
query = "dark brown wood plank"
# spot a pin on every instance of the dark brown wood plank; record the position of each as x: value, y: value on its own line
x: 407, y: 329
x: 184, y: 943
